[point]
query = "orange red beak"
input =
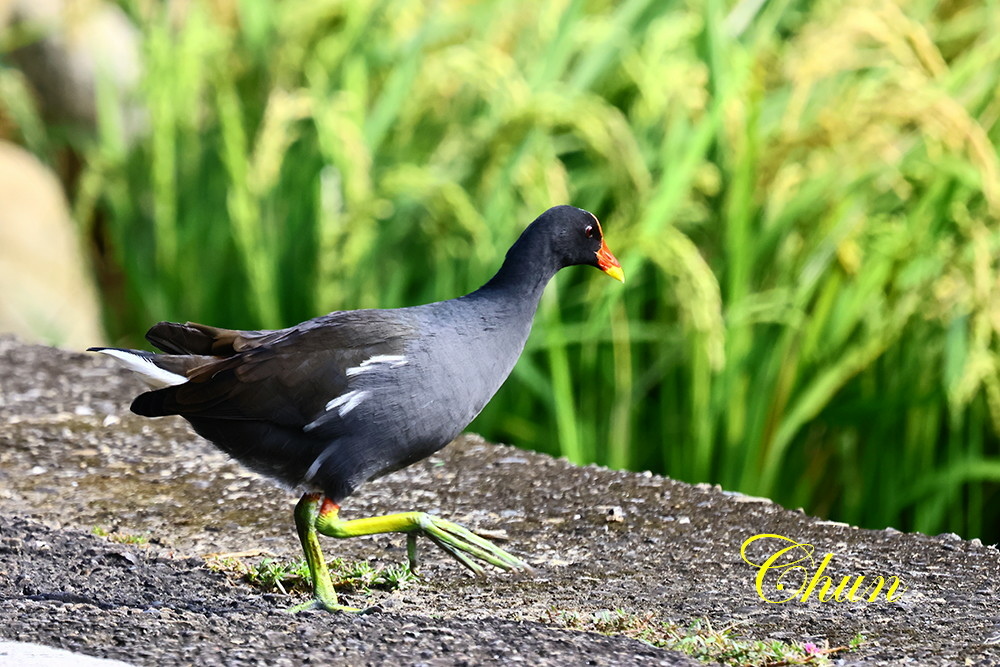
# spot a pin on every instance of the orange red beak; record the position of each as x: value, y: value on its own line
x: 609, y: 263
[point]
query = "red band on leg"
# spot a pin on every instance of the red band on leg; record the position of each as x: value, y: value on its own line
x: 328, y: 507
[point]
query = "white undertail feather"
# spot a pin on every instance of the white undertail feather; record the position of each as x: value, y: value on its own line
x: 153, y: 375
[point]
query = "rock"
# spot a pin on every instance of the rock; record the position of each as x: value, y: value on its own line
x: 48, y: 292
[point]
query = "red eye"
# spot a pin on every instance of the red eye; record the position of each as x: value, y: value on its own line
x: 589, y: 232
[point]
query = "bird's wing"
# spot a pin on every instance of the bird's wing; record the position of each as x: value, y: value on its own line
x: 287, y: 377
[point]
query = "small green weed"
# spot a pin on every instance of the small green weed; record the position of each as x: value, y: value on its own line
x: 273, y: 575
x: 120, y: 538
x: 700, y: 640
x: 362, y: 576
x: 269, y: 575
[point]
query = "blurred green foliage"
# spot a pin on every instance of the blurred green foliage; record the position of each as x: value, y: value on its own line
x: 804, y: 195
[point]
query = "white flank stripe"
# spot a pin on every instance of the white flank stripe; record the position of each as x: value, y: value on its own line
x: 394, y: 361
x: 152, y: 374
x: 314, y: 468
x: 347, y: 402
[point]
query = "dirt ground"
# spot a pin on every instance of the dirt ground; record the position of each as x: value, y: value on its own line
x: 72, y: 457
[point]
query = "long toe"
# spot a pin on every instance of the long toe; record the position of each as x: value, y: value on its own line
x: 457, y: 541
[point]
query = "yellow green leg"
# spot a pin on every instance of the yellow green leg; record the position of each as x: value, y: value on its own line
x: 324, y: 595
x: 314, y: 515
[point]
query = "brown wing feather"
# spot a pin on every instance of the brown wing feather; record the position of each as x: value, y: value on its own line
x: 194, y: 338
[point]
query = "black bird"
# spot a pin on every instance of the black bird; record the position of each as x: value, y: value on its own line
x: 338, y: 400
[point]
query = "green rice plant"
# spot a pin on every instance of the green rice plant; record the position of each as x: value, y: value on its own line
x: 804, y: 195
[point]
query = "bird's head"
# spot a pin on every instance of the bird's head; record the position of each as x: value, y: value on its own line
x: 577, y: 238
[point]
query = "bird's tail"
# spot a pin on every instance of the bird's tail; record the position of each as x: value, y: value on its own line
x: 156, y: 370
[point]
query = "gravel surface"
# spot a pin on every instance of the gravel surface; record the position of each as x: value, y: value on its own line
x: 72, y: 457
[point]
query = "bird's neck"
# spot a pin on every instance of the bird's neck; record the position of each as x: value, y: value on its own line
x: 527, y: 269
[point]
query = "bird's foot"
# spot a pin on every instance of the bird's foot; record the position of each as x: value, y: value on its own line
x: 331, y: 606
x: 460, y: 543
x: 457, y: 541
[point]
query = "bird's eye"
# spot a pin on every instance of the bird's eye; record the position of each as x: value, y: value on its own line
x: 589, y: 232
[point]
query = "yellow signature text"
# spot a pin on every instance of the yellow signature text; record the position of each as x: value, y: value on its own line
x: 792, y: 566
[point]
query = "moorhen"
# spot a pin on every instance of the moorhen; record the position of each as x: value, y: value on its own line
x: 333, y: 402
